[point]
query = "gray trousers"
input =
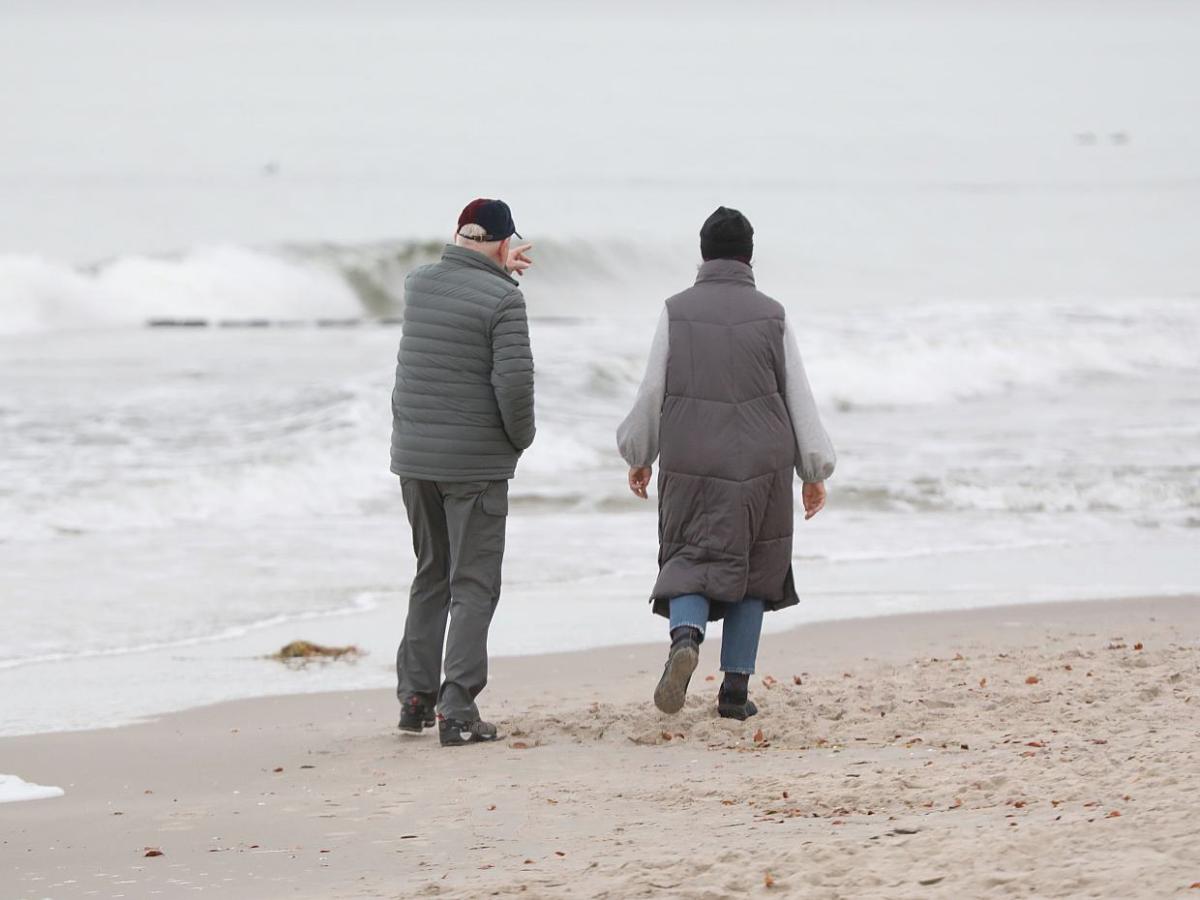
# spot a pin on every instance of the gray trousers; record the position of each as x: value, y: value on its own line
x: 458, y: 537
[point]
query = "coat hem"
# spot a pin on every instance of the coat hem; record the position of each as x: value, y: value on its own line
x: 505, y: 475
x: 661, y: 606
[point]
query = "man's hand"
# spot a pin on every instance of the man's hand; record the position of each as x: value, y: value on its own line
x: 814, y: 498
x: 639, y: 479
x: 517, y: 261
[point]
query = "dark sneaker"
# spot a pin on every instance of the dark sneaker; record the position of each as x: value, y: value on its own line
x: 416, y: 714
x: 672, y: 687
x: 458, y: 733
x: 735, y: 706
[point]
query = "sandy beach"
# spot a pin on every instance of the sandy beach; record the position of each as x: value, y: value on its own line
x: 1043, y: 750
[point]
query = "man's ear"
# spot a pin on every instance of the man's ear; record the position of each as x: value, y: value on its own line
x: 503, y: 249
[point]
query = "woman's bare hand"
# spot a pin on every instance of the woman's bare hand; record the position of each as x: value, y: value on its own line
x: 814, y: 498
x: 639, y: 480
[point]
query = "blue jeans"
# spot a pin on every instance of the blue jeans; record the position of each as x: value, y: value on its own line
x: 743, y: 625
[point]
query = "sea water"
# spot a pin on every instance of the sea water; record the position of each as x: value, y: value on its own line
x: 982, y: 223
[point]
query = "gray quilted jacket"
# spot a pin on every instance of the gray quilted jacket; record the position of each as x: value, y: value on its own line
x: 462, y: 408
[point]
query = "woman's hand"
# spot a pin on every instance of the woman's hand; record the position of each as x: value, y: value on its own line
x: 639, y: 479
x: 814, y: 498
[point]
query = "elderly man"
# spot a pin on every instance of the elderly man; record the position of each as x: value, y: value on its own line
x: 726, y: 403
x: 462, y: 413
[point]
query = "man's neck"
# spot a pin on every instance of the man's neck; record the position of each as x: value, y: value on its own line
x: 477, y: 248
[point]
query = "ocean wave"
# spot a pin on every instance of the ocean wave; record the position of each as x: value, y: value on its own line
x: 224, y: 427
x: 939, y: 352
x: 218, y: 282
x: 286, y: 283
x: 287, y: 449
x: 1151, y: 491
x: 896, y: 354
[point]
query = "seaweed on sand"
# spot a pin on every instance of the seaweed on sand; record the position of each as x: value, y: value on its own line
x: 303, y: 652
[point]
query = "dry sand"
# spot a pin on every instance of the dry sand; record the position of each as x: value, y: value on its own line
x: 1039, y: 751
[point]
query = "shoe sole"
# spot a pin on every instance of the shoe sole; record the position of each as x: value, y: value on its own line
x: 671, y: 692
x: 459, y: 742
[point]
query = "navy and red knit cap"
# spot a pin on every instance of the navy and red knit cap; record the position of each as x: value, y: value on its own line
x: 493, y: 216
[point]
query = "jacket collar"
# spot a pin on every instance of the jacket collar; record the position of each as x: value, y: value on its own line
x: 725, y: 270
x: 461, y: 256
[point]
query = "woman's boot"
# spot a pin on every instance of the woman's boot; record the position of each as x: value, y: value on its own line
x: 733, y: 700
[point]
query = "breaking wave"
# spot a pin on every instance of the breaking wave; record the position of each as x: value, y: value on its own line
x: 293, y: 282
x: 895, y: 355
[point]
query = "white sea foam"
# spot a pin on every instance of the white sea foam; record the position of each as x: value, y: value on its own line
x: 207, y: 427
x: 934, y: 353
x: 14, y: 789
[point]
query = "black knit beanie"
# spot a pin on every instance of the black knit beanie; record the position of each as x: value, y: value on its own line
x: 727, y: 234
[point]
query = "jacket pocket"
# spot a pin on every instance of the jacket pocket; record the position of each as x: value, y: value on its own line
x: 495, y: 499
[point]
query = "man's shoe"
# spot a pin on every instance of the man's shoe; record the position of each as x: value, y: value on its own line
x: 672, y: 687
x: 735, y: 706
x: 458, y: 733
x: 416, y: 714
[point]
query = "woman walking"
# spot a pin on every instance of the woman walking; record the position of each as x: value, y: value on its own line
x: 726, y: 405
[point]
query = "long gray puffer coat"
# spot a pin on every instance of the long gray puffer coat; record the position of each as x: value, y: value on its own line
x: 728, y: 450
x: 462, y: 408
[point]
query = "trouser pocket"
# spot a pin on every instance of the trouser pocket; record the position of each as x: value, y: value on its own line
x: 476, y: 519
x: 495, y: 498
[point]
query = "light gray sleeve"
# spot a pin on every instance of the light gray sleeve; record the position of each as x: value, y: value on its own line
x: 815, y: 457
x: 637, y: 438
